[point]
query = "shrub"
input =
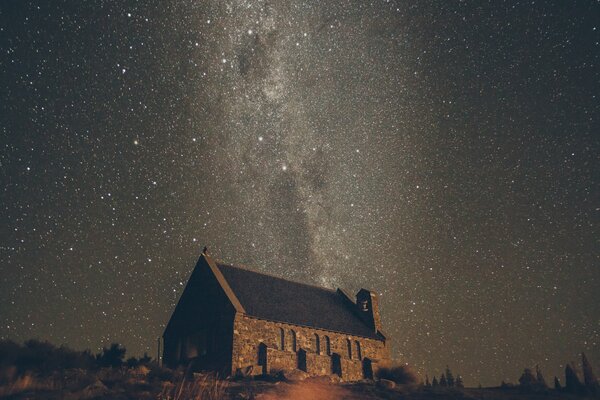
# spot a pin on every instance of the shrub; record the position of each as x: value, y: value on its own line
x: 161, y: 374
x: 402, y: 374
x: 112, y: 356
x: 42, y: 357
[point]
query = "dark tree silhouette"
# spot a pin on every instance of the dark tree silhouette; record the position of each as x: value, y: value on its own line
x: 133, y: 362
x: 541, y: 382
x: 449, y: 377
x: 557, y: 385
x: 459, y: 382
x: 527, y: 379
x: 434, y: 382
x: 427, y: 383
x: 43, y: 357
x: 112, y: 357
x: 145, y: 360
x: 443, y: 381
x: 572, y: 382
x: 589, y: 379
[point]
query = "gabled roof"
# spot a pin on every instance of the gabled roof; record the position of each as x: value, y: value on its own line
x: 271, y: 298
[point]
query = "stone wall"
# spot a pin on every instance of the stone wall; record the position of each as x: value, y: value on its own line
x: 352, y: 370
x: 249, y: 333
x: 318, y: 364
x: 279, y: 360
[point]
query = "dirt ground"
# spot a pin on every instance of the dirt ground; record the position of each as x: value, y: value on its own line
x: 310, y: 389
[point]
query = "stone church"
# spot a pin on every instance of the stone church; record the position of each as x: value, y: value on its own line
x: 233, y: 320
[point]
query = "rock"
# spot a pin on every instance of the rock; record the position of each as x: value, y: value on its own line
x: 294, y: 375
x: 247, y: 371
x: 95, y: 389
x: 386, y: 383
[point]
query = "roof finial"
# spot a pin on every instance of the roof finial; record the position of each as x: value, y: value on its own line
x: 205, y: 251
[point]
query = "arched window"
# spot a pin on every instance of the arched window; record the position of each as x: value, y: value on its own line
x: 327, y: 346
x: 358, y: 352
x: 349, y: 346
x: 317, y: 344
x: 281, y: 339
x: 293, y: 339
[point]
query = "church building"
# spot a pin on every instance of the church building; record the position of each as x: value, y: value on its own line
x: 233, y: 320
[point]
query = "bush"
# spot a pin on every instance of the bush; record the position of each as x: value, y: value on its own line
x: 112, y: 356
x: 401, y: 374
x: 42, y: 357
x: 158, y: 373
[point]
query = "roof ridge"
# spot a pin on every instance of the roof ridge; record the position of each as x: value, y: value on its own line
x: 250, y: 269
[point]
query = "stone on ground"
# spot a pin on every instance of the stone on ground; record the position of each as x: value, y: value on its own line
x: 386, y: 383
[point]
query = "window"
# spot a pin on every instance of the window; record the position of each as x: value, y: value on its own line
x: 293, y: 339
x: 349, y: 346
x: 317, y: 344
x: 327, y: 346
x: 358, y: 352
x: 281, y: 339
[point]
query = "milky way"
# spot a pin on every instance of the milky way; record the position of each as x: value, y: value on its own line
x: 444, y: 155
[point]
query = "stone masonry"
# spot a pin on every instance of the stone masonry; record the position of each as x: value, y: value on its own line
x: 257, y: 344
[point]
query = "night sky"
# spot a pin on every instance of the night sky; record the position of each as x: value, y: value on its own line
x: 444, y: 154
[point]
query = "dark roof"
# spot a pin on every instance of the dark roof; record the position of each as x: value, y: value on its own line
x: 276, y: 299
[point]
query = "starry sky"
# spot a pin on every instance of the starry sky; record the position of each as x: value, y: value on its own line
x: 442, y: 153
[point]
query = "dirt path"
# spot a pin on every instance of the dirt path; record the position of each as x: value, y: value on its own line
x: 307, y: 390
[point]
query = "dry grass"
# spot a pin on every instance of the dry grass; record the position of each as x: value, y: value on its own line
x: 28, y: 383
x: 200, y: 387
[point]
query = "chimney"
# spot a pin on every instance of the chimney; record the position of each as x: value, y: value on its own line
x: 368, y: 308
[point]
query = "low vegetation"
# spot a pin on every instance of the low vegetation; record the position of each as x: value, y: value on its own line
x: 39, y: 370
x: 400, y: 374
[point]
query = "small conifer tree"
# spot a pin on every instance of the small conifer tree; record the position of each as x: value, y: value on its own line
x: 527, y: 379
x: 459, y: 382
x: 449, y: 377
x: 541, y: 382
x: 589, y: 379
x: 557, y: 385
x: 443, y: 381
x: 434, y: 382
x: 572, y: 382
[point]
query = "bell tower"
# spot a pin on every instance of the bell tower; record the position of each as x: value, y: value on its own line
x: 368, y: 308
